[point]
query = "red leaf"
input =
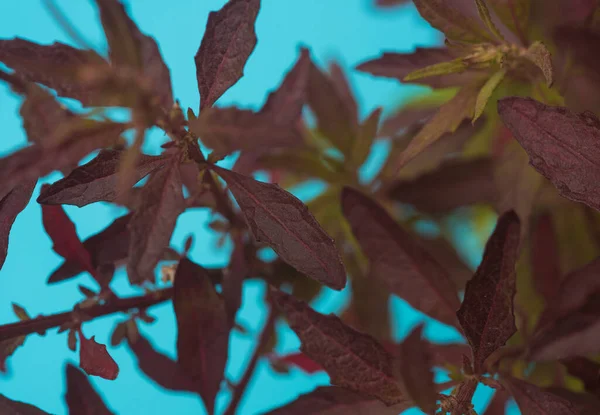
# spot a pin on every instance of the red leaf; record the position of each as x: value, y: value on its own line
x: 160, y: 368
x: 55, y: 66
x: 96, y: 181
x: 10, y: 407
x: 332, y: 400
x: 233, y: 280
x: 284, y: 105
x: 81, y: 397
x: 281, y: 220
x: 228, y: 41
x: 414, y: 369
x: 64, y: 236
x: 562, y: 145
x: 352, y: 359
x: 397, y: 259
x: 486, y: 314
x: 452, y: 353
x: 95, y: 360
x: 152, y: 225
x: 35, y: 161
x: 202, y: 329
x: 545, y: 265
x: 7, y: 348
x: 497, y: 405
x: 10, y: 206
x: 535, y: 401
x: 300, y: 360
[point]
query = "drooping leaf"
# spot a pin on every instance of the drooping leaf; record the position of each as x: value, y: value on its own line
x: 66, y: 242
x: 399, y: 65
x: 81, y: 397
x: 454, y: 184
x: 536, y: 401
x: 486, y: 314
x: 279, y: 219
x: 333, y: 400
x: 10, y: 407
x: 226, y: 130
x: 335, y: 117
x: 398, y: 260
x: 414, y: 369
x: 448, y: 118
x: 96, y: 181
x: 55, y: 66
x: 447, y: 18
x: 228, y: 41
x: 545, y: 259
x: 202, y: 329
x: 152, y: 225
x: 10, y: 206
x: 159, y: 367
x: 35, y: 161
x: 541, y: 57
x: 128, y: 47
x: 284, y: 105
x: 95, y: 360
x: 562, y: 145
x: 486, y: 92
x: 352, y: 359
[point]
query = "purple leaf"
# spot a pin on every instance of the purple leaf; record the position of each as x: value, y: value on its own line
x: 536, y: 401
x: 10, y: 206
x: 81, y: 397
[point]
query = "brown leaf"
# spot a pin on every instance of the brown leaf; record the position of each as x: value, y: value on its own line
x: 283, y: 222
x: 10, y: 206
x: 335, y: 117
x: 226, y: 130
x: 56, y: 66
x: 96, y: 181
x: 367, y: 132
x: 453, y: 184
x: 7, y: 348
x: 128, y: 47
x: 562, y: 145
x: 399, y: 65
x: 233, y: 280
x: 228, y: 41
x: 486, y: 314
x: 536, y: 401
x: 397, y: 259
x: 414, y: 369
x: 404, y: 119
x: 10, y: 407
x: 333, y: 400
x: 390, y: 3
x: 152, y: 225
x: 343, y: 88
x: 352, y: 359
x: 160, y: 368
x: 284, y: 105
x: 81, y: 397
x: 450, y: 353
x: 463, y: 396
x: 545, y: 265
x: 35, y: 161
x: 202, y: 329
x: 445, y: 254
x: 95, y: 360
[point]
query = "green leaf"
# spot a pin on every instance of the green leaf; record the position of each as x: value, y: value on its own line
x: 444, y: 16
x: 447, y: 119
x: 442, y: 68
x: 484, y: 13
x: 486, y: 92
x: 364, y: 140
x: 20, y: 312
x: 541, y: 57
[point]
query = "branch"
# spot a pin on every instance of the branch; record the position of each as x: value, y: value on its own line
x: 111, y: 306
x: 238, y: 392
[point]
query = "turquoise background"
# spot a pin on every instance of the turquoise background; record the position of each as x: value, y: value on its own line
x: 348, y: 31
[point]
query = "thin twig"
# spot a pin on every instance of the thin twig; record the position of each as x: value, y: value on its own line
x: 238, y: 392
x: 114, y: 305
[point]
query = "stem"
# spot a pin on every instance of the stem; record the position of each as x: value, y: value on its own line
x: 238, y: 392
x: 114, y: 305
